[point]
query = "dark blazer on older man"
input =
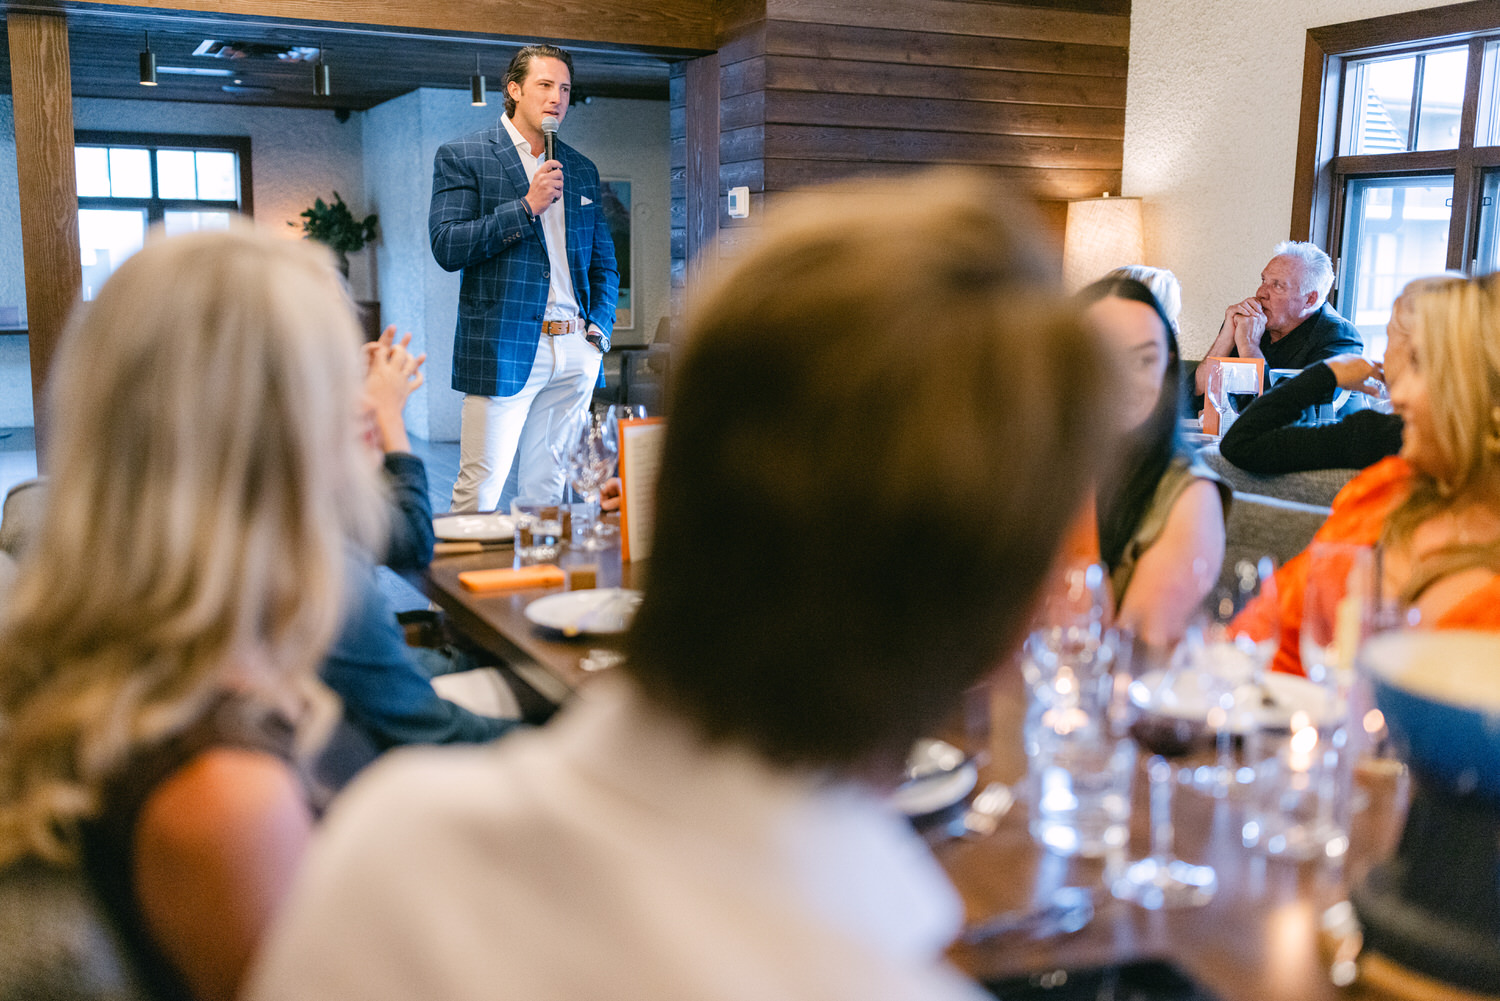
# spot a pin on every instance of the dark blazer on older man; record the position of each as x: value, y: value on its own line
x: 479, y: 224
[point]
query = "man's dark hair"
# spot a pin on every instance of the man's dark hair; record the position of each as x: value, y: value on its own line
x: 884, y: 422
x: 520, y: 65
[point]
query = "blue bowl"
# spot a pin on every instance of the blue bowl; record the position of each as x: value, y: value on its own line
x: 1440, y: 693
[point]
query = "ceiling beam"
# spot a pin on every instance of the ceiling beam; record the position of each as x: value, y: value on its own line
x: 676, y: 24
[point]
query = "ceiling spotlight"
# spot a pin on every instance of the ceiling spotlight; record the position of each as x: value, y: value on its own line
x: 476, y: 86
x: 321, y: 86
x: 148, y: 64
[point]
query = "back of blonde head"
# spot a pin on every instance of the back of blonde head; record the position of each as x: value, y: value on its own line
x: 205, y: 479
x: 1455, y: 329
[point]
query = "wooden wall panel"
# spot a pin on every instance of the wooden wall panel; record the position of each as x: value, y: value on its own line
x: 48, y: 189
x: 960, y: 17
x: 823, y: 90
x: 828, y: 41
x: 905, y: 80
x: 926, y: 114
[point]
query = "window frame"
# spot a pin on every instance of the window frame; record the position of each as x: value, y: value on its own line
x: 156, y: 207
x: 1319, y: 198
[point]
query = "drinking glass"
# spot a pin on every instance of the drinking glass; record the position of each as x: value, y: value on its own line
x: 1168, y: 723
x: 618, y: 412
x: 1070, y: 625
x: 1219, y: 398
x: 1336, y: 606
x: 1304, y: 776
x: 1239, y: 648
x: 591, y: 458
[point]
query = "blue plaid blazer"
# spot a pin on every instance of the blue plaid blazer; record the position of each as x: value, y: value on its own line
x: 479, y: 225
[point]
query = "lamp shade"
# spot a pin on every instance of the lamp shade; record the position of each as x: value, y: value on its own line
x: 1102, y: 234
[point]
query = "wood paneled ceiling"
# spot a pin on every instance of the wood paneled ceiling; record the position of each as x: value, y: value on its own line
x: 367, y: 64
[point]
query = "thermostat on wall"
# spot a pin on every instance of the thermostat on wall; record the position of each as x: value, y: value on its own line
x: 739, y: 203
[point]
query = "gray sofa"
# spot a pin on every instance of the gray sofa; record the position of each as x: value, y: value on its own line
x: 1274, y: 516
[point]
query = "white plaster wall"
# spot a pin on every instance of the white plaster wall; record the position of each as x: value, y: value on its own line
x: 397, y: 188
x: 296, y: 155
x: 15, y: 359
x: 625, y: 139
x: 1211, y: 110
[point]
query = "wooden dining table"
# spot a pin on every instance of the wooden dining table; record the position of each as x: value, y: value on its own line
x: 1257, y: 940
x: 496, y: 621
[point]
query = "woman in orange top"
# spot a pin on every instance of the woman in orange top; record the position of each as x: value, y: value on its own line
x: 1434, y: 509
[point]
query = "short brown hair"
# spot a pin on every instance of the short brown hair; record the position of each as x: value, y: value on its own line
x: 520, y: 66
x: 884, y: 422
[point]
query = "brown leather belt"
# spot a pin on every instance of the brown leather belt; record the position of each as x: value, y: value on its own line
x: 556, y: 328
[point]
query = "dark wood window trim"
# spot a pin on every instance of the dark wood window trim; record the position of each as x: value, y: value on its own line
x: 1317, y: 192
x: 240, y: 145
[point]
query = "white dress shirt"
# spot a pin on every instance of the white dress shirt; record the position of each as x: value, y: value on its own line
x: 611, y: 855
x: 562, y: 302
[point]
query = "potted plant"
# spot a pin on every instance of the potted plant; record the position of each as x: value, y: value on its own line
x: 334, y: 225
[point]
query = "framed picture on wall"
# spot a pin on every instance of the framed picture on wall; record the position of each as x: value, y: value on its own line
x: 616, y: 195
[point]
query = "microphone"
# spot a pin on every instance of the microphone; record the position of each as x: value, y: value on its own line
x: 549, y: 137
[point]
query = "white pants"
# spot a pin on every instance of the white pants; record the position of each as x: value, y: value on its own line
x: 496, y: 431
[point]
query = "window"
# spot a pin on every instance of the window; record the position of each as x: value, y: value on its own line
x: 128, y: 182
x: 1398, y: 164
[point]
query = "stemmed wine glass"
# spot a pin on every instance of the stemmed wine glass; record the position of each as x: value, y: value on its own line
x: 1238, y: 645
x: 590, y: 460
x: 1168, y: 723
x: 618, y: 412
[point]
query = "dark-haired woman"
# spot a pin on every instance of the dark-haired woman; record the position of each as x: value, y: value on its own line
x: 1161, y: 517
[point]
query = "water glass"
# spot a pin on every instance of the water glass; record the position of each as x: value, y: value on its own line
x: 541, y: 529
x: 1079, y: 783
x: 1079, y: 767
x: 1299, y: 804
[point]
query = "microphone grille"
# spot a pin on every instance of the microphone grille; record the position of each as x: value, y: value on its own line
x: 549, y: 124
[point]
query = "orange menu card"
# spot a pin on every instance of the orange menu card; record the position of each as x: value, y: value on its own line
x: 640, y: 461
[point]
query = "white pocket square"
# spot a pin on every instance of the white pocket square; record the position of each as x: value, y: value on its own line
x: 586, y: 199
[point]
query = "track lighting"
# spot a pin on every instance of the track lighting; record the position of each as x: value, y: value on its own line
x: 148, y: 64
x: 476, y: 86
x: 321, y: 86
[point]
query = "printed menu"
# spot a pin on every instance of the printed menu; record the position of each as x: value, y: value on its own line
x: 640, y: 461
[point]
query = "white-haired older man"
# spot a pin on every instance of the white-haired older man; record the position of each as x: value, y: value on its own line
x: 1288, y: 321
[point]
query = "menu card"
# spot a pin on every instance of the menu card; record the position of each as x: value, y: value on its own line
x: 640, y: 461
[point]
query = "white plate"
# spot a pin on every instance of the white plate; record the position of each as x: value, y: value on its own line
x: 923, y: 795
x: 604, y: 611
x: 474, y: 527
x: 1288, y: 693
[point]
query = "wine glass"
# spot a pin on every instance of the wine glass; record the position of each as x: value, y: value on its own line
x: 1169, y: 723
x: 1240, y: 634
x: 618, y: 412
x: 1218, y: 396
x: 1335, y: 608
x: 1305, y: 810
x: 591, y: 458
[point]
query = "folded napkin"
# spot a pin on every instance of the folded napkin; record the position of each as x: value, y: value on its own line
x: 506, y: 579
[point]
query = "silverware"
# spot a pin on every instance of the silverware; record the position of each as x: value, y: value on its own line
x: 1069, y: 910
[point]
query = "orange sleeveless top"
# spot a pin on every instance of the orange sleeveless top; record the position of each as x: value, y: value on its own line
x: 1359, y: 514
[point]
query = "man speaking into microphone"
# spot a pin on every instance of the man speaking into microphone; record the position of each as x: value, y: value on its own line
x: 519, y: 213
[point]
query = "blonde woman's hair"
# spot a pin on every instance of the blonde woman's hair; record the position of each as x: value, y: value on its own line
x: 1454, y: 327
x: 1162, y: 283
x: 206, y: 479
